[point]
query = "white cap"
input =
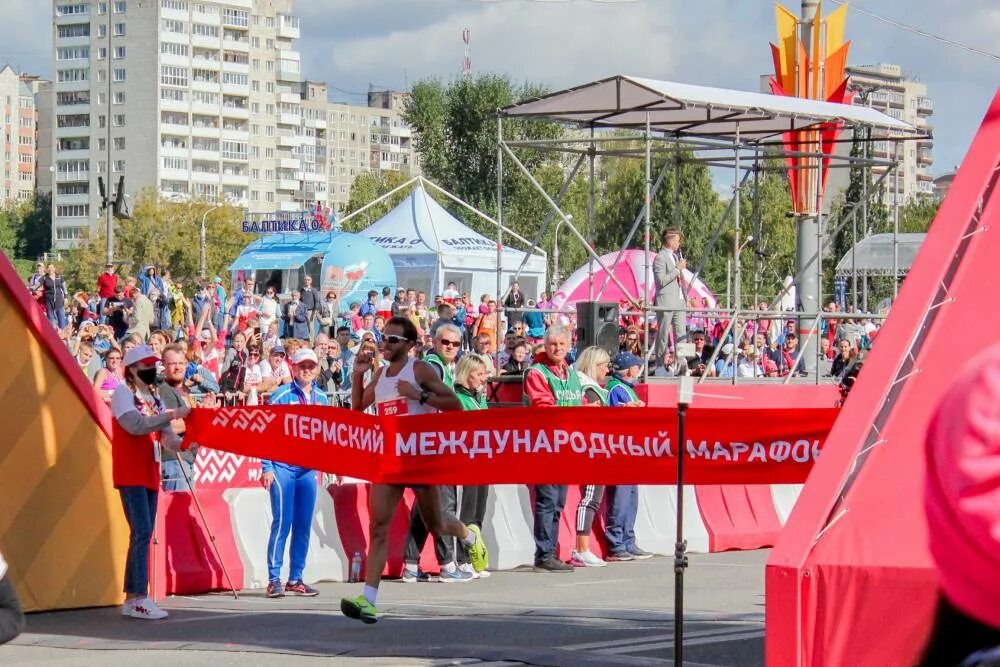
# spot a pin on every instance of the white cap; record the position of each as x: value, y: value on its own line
x: 140, y: 354
x: 304, y: 354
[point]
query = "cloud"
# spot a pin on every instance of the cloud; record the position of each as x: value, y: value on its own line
x: 351, y: 43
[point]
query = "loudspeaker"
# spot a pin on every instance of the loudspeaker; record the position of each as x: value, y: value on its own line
x: 597, y: 324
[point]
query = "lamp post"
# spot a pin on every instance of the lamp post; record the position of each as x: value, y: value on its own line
x: 201, y: 240
x: 555, y: 250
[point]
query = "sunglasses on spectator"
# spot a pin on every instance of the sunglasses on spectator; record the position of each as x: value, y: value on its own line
x: 450, y: 343
x: 394, y: 339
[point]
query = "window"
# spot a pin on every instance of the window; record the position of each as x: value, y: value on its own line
x: 120, y: 120
x: 202, y: 144
x: 119, y: 6
x: 173, y: 76
x: 119, y: 30
x: 178, y: 5
x: 173, y: 25
x: 65, y: 75
x: 73, y: 97
x: 74, y: 143
x: 70, y: 233
x: 102, y: 75
x: 119, y: 143
x: 234, y: 78
x: 27, y: 158
x: 119, y: 74
x: 175, y: 163
x: 119, y: 97
x: 118, y: 166
x: 270, y: 197
x: 72, y: 188
x: 173, y: 49
x: 102, y: 31
x: 73, y: 120
x: 69, y: 10
x: 119, y: 53
x: 234, y: 150
x: 202, y: 30
x: 237, y: 17
x: 173, y: 142
x: 73, y: 53
x: 102, y: 8
x: 73, y: 210
x: 173, y: 118
x: 173, y: 94
x: 102, y: 52
x: 204, y: 97
x: 74, y: 30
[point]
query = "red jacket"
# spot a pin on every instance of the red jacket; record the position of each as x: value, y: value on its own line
x: 536, y: 387
x: 106, y: 284
x: 133, y: 459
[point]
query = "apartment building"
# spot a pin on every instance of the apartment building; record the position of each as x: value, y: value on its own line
x: 886, y: 88
x: 19, y: 130
x: 193, y: 98
x: 360, y: 139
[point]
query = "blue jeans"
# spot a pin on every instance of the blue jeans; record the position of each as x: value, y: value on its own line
x: 172, y: 475
x: 550, y: 499
x: 623, y: 505
x: 293, y: 501
x: 139, y: 504
x: 56, y: 315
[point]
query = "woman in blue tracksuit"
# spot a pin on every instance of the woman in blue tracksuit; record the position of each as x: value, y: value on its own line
x: 292, y: 488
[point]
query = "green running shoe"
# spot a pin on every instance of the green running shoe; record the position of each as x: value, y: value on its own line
x: 478, y: 553
x: 359, y: 608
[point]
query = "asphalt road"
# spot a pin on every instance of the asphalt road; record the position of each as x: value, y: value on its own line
x: 618, y: 615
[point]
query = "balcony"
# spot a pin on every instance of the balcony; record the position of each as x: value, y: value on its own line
x: 72, y: 176
x: 317, y: 123
x: 288, y: 26
x: 241, y: 113
x: 288, y: 71
x: 289, y: 163
x: 289, y: 141
x: 205, y: 41
x: 235, y: 179
x: 288, y: 185
x: 925, y: 104
x: 208, y: 131
x: 292, y: 119
x: 204, y: 155
x: 925, y: 157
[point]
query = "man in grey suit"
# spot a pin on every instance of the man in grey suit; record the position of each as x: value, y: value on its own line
x: 667, y: 268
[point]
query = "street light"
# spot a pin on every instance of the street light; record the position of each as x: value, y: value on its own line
x: 555, y: 249
x: 201, y: 239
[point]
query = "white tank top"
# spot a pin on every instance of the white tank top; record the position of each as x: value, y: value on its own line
x: 387, y: 398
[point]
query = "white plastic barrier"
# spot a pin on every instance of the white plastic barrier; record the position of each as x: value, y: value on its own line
x: 250, y: 515
x: 785, y: 497
x: 507, y: 527
x: 656, y: 523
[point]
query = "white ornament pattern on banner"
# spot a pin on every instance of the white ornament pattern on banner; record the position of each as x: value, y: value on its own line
x: 215, y: 467
x: 244, y: 419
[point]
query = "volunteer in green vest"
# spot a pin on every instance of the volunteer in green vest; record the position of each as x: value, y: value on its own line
x: 471, y: 374
x: 447, y: 343
x: 551, y: 382
x: 592, y: 366
x: 623, y: 500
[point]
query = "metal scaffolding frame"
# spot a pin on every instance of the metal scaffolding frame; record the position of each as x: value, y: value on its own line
x: 745, y: 153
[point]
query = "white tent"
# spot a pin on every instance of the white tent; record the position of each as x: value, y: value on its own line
x: 430, y: 248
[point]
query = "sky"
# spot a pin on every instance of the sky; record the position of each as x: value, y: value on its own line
x: 352, y: 44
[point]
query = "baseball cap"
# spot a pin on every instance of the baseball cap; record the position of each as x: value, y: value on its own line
x: 278, y: 349
x: 217, y: 280
x: 139, y: 354
x: 625, y: 360
x: 304, y: 354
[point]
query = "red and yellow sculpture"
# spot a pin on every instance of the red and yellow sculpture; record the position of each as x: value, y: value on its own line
x: 814, y: 71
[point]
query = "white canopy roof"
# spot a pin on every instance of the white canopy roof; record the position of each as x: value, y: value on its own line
x: 685, y: 109
x: 873, y: 255
x: 420, y: 228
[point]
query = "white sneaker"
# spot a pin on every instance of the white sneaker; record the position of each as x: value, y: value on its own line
x: 127, y: 606
x: 468, y: 569
x: 144, y: 608
x: 586, y: 559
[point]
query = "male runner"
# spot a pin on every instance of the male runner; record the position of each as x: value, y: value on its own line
x: 406, y: 386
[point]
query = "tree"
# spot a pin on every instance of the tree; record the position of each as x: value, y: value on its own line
x: 456, y: 137
x: 368, y: 187
x: 917, y: 215
x: 165, y: 234
x: 26, y: 227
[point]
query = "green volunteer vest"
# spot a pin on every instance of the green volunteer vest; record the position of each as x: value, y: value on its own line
x: 470, y: 402
x: 568, y: 392
x: 447, y: 375
x: 615, y: 382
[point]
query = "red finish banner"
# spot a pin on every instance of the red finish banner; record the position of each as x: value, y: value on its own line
x: 527, y: 445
